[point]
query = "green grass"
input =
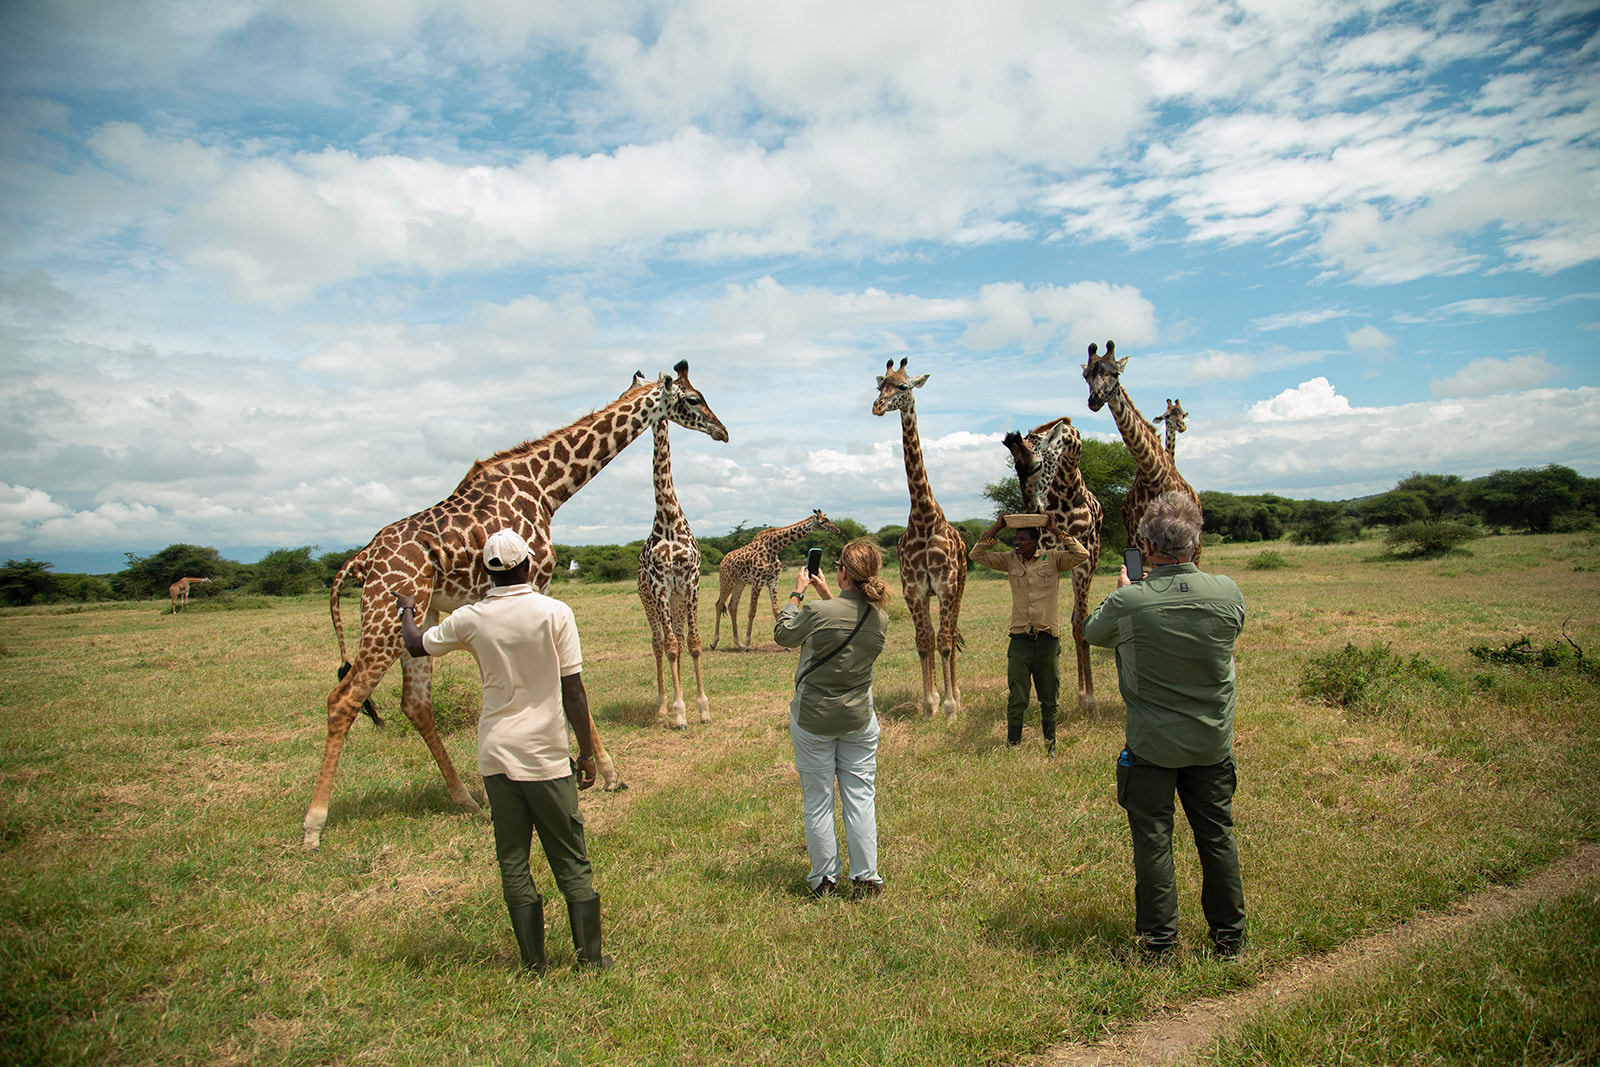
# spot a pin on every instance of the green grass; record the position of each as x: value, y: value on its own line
x: 155, y: 905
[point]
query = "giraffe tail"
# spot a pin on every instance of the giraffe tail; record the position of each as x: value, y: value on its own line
x: 353, y: 570
x: 367, y: 705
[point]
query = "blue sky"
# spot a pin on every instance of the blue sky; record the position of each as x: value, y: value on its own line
x: 276, y: 273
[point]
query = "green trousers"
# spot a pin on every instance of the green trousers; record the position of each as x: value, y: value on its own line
x: 1145, y: 791
x: 550, y: 809
x: 1033, y: 661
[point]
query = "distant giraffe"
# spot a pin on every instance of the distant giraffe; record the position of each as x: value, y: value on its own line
x: 669, y: 588
x: 1047, y: 468
x: 758, y: 566
x: 179, y: 592
x: 933, y: 556
x: 434, y: 555
x: 1175, y: 424
x: 1157, y: 472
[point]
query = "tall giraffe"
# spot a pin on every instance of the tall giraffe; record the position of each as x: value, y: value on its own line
x: 757, y: 565
x: 1052, y: 484
x: 1175, y: 419
x: 933, y: 556
x: 434, y: 556
x: 669, y: 588
x: 1157, y: 473
x: 179, y: 592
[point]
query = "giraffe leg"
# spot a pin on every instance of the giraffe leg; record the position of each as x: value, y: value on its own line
x: 922, y: 623
x: 722, y: 601
x: 416, y: 700
x: 750, y: 621
x: 691, y: 614
x: 1081, y: 578
x: 669, y: 638
x: 948, y: 615
x: 344, y: 703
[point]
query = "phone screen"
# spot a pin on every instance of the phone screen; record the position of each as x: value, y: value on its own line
x: 1133, y: 559
x: 814, y: 561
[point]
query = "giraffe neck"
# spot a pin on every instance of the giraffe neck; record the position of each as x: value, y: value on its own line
x: 1172, y: 442
x: 922, y: 502
x: 562, y: 461
x: 1140, y: 437
x: 781, y: 537
x: 668, y: 514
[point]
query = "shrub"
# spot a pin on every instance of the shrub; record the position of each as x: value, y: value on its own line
x: 1554, y: 655
x: 1419, y: 539
x: 1266, y: 561
x: 1362, y: 679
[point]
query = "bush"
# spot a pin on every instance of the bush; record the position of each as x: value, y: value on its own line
x: 1554, y: 655
x: 1266, y: 561
x: 1362, y: 679
x: 1429, y: 538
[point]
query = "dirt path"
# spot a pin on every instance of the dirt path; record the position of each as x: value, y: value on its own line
x: 1175, y: 1037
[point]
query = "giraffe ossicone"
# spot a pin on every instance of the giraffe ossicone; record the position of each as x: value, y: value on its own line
x: 434, y: 555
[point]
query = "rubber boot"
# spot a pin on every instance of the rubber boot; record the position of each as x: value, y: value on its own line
x: 585, y: 918
x: 527, y: 922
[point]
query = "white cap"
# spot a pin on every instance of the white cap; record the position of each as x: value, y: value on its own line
x: 505, y: 550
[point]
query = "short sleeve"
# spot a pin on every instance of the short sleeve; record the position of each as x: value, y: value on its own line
x: 569, y: 651
x: 445, y: 637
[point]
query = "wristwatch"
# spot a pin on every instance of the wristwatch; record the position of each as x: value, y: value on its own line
x: 799, y: 596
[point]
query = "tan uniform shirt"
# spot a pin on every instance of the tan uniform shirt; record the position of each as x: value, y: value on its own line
x: 525, y: 643
x: 1035, y: 583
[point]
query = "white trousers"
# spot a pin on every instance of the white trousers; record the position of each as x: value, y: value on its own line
x: 852, y: 760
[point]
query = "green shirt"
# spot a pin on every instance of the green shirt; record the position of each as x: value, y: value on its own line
x: 836, y: 698
x: 1173, y: 634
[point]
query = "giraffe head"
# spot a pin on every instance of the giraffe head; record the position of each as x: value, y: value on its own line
x: 819, y: 521
x: 894, y: 389
x: 1101, y: 372
x: 1175, y: 417
x: 1038, y: 456
x: 684, y: 404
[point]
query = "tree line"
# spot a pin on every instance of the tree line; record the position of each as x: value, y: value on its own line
x: 1429, y: 511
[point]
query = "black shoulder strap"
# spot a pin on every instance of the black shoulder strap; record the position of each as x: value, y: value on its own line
x: 819, y: 662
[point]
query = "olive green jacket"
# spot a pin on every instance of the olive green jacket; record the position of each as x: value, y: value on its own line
x: 1173, y: 634
x: 836, y: 698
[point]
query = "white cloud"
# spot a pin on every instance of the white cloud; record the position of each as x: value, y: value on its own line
x: 1314, y: 399
x: 1369, y: 339
x: 1486, y: 376
x: 1295, y: 319
x: 1221, y: 366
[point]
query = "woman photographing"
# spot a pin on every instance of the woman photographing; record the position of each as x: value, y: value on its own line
x: 831, y: 718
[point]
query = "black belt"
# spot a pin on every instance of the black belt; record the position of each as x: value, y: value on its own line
x: 1034, y: 635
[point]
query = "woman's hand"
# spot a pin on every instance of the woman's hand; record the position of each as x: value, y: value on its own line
x: 819, y: 583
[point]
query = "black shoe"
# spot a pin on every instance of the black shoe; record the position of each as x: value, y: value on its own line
x: 862, y: 888
x: 585, y: 918
x: 825, y: 888
x: 1049, y: 749
x: 1227, y: 948
x: 527, y: 923
x: 1156, y: 954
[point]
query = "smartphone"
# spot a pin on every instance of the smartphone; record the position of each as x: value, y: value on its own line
x: 1133, y: 559
x: 814, y: 561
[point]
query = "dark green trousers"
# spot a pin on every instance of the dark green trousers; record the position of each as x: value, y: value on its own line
x: 1032, y: 662
x: 1145, y: 791
x: 550, y: 809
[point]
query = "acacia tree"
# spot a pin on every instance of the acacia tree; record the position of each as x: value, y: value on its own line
x: 1528, y: 497
x: 24, y: 581
x: 147, y: 576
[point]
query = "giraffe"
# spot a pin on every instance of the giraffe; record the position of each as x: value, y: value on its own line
x: 1175, y: 424
x: 933, y: 555
x: 434, y: 556
x: 757, y: 565
x: 1157, y: 473
x: 1047, y: 467
x: 179, y: 592
x: 669, y: 588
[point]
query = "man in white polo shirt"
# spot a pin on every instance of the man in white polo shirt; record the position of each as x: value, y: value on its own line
x: 526, y: 646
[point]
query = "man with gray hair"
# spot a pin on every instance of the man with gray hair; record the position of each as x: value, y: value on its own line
x: 1173, y: 630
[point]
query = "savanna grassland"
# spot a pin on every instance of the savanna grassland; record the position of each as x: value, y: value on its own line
x: 156, y: 907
